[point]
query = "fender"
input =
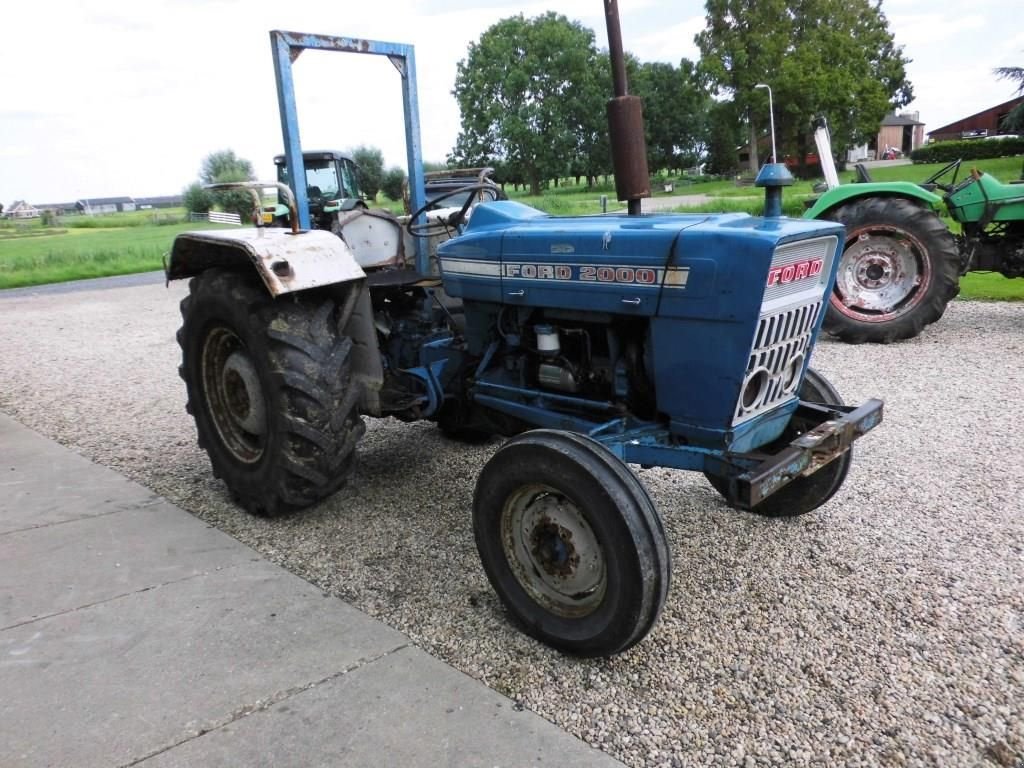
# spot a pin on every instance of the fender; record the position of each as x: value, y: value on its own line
x: 846, y: 192
x: 286, y: 262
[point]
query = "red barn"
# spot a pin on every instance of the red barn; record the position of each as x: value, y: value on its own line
x: 984, y: 123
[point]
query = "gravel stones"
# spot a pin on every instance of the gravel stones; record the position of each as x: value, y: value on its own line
x: 885, y: 628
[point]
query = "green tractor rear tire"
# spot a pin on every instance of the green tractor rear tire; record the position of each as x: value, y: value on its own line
x: 899, y: 269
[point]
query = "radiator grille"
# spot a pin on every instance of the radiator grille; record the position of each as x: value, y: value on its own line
x: 792, y: 304
x: 777, y: 359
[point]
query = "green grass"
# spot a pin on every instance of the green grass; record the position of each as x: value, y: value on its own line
x: 85, y: 252
x: 991, y: 286
x: 1003, y: 168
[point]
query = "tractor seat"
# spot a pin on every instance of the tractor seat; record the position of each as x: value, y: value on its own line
x: 863, y: 177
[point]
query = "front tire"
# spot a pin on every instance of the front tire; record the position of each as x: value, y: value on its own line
x: 270, y: 387
x: 571, y: 543
x: 899, y: 269
x: 805, y: 494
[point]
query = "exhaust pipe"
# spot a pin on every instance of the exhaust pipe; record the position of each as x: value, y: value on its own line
x: 625, y: 123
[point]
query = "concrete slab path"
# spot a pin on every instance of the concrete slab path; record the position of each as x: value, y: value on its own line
x: 133, y: 634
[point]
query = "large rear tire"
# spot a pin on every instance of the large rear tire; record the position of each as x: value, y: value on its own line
x: 270, y: 387
x: 899, y: 269
x: 571, y: 542
x: 805, y: 494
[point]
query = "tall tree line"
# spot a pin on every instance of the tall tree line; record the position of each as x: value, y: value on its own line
x: 532, y: 92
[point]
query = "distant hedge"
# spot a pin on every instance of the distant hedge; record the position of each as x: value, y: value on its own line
x: 970, y: 149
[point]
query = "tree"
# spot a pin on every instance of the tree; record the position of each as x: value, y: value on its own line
x: 725, y: 132
x: 526, y: 92
x: 370, y: 161
x: 221, y: 167
x: 197, y: 199
x: 393, y: 183
x: 1015, y: 120
x: 675, y: 113
x: 830, y: 57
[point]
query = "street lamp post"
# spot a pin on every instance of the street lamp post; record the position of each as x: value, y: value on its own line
x: 771, y: 115
x: 773, y: 176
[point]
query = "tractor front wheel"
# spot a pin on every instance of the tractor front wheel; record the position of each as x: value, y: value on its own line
x: 571, y: 543
x: 270, y: 387
x: 899, y: 269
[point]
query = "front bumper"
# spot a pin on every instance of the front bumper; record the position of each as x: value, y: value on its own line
x: 834, y: 429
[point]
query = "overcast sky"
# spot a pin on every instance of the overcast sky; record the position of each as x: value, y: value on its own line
x: 114, y: 97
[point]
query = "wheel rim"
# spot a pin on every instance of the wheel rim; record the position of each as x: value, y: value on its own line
x: 884, y: 273
x: 553, y: 552
x: 233, y: 395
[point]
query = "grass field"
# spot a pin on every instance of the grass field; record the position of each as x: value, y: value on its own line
x: 991, y: 286
x: 34, y: 255
x: 82, y: 247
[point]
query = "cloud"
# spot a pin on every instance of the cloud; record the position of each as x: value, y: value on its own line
x: 671, y: 43
x: 127, y: 97
x: 14, y: 150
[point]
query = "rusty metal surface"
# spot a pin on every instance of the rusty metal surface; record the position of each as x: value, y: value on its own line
x: 286, y: 262
x: 808, y: 453
x: 625, y: 123
x: 629, y: 149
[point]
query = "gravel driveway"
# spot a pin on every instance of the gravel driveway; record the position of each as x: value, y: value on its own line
x: 887, y: 628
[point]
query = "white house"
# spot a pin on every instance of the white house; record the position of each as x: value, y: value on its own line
x: 19, y: 209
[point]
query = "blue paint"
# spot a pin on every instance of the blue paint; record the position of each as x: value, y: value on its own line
x: 773, y: 177
x: 702, y: 313
x: 286, y: 44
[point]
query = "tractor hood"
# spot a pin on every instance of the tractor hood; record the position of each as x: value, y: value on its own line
x: 685, y: 265
x: 515, y: 254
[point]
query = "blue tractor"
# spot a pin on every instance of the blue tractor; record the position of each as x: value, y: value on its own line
x: 593, y: 342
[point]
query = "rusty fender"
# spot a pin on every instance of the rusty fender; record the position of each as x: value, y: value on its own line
x: 285, y: 261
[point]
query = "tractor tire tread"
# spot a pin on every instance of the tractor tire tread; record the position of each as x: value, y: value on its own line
x: 942, y: 253
x: 308, y: 369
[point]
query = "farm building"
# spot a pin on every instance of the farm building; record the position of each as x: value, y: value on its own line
x: 985, y: 123
x: 19, y: 209
x: 105, y: 205
x: 160, y: 201
x: 58, y: 208
x: 904, y: 133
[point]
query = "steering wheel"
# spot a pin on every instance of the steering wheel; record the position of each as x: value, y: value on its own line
x: 456, y: 220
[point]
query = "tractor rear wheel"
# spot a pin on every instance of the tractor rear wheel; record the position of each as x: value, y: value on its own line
x: 571, y: 542
x: 805, y: 494
x: 270, y: 387
x: 899, y: 269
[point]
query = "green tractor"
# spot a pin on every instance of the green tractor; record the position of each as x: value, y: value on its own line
x: 901, y: 265
x: 332, y: 186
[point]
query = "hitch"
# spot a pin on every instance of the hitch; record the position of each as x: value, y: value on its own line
x: 805, y: 455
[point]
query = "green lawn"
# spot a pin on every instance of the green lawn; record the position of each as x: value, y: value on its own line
x: 35, y: 258
x: 992, y: 286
